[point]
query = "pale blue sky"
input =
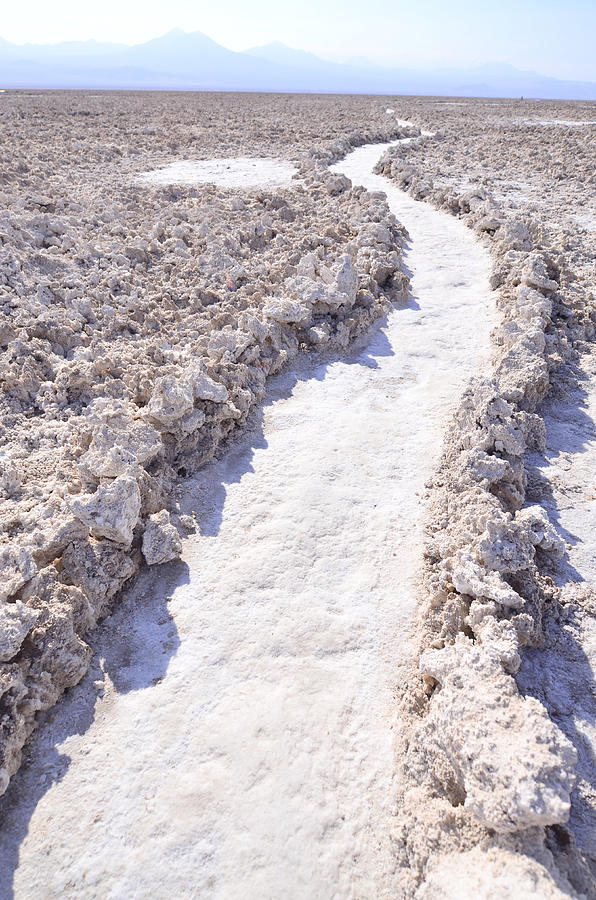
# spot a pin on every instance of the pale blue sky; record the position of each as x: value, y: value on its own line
x: 551, y: 36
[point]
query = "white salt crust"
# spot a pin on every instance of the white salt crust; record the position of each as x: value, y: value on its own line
x: 261, y: 763
x: 240, y: 172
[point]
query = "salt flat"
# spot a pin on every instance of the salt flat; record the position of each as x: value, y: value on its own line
x: 141, y: 329
x: 263, y: 760
x: 234, y: 172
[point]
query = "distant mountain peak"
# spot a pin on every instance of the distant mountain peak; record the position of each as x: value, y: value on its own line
x: 180, y: 60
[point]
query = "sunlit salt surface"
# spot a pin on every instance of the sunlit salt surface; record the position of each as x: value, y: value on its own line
x: 405, y: 123
x: 234, y: 172
x: 241, y: 745
x: 567, y: 122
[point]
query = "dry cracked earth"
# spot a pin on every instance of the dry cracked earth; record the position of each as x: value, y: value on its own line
x: 138, y: 326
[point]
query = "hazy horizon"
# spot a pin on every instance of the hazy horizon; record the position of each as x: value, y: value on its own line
x: 545, y: 36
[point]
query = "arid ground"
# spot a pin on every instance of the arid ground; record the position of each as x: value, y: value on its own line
x: 145, y: 329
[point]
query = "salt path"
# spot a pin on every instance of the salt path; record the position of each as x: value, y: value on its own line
x: 234, y: 738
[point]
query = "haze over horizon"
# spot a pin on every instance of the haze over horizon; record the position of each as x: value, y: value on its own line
x: 553, y: 38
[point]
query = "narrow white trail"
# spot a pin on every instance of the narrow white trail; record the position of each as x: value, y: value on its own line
x: 261, y: 764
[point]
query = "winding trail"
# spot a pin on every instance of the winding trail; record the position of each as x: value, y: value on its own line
x: 241, y: 743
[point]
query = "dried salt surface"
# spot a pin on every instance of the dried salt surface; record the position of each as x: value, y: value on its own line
x: 260, y: 764
x: 248, y: 172
x: 563, y: 674
x: 570, y: 123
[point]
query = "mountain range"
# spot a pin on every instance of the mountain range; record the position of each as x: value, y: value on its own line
x: 181, y: 61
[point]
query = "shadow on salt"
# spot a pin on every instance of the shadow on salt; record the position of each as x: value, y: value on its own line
x: 236, y: 172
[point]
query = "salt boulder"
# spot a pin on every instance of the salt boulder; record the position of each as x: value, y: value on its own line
x: 346, y: 278
x: 470, y: 578
x: 205, y: 388
x: 307, y: 266
x: 10, y: 481
x: 374, y: 233
x: 228, y: 345
x: 114, y: 450
x: 285, y: 311
x: 112, y: 511
x: 161, y: 541
x: 191, y: 421
x: 109, y: 463
x: 172, y: 398
x: 99, y: 568
x: 535, y: 275
x: 514, y: 767
x: 16, y: 621
x: 254, y: 326
x: 17, y: 567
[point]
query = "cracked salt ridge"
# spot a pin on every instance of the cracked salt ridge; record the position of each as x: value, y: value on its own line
x: 261, y: 765
x: 563, y: 675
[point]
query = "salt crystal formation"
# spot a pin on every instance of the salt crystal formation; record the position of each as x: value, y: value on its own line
x: 138, y: 327
x: 481, y: 763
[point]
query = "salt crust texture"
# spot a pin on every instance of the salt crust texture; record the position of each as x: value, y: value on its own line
x: 138, y: 327
x: 240, y: 172
x: 483, y: 766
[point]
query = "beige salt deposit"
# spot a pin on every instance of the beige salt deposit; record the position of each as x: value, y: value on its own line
x: 291, y: 621
x: 139, y: 324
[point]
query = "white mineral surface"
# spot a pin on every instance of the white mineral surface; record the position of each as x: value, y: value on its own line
x: 234, y: 172
x: 570, y: 123
x: 242, y: 745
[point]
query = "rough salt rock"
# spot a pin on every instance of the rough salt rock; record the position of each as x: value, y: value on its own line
x: 535, y: 275
x: 16, y: 621
x: 191, y: 421
x: 536, y: 525
x: 501, y: 641
x: 531, y: 304
x: 50, y: 536
x: 374, y: 233
x: 308, y: 290
x: 308, y: 266
x: 346, y: 278
x: 114, y: 450
x: 10, y: 481
x: 205, y: 388
x: 489, y: 223
x: 112, y: 511
x: 498, y: 872
x: 383, y: 267
x: 254, y: 326
x: 515, y: 236
x: 109, y: 463
x: 469, y: 577
x: 161, y: 541
x: 285, y: 311
x: 118, y: 414
x: 512, y: 764
x: 337, y: 184
x: 16, y: 567
x: 99, y: 568
x: 228, y: 345
x: 319, y: 334
x: 171, y: 399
